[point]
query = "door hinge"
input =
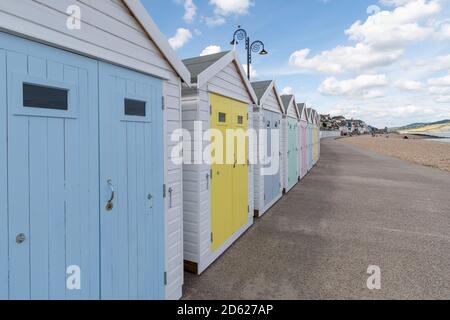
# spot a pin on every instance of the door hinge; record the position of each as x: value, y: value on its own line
x: 165, y: 278
x: 247, y: 116
x: 163, y: 103
x: 210, y: 109
x: 212, y: 237
x: 248, y: 209
x: 164, y: 191
x: 211, y: 175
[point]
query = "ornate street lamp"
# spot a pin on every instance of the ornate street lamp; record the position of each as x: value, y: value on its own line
x: 255, y: 47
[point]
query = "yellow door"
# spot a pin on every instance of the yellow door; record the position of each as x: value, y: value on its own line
x: 240, y: 170
x: 229, y: 184
x: 221, y: 178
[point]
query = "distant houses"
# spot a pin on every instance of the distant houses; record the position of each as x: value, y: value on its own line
x: 343, y: 125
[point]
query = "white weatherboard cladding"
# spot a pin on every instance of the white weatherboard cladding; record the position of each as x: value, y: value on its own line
x: 197, y: 195
x: 300, y: 137
x: 109, y: 32
x: 291, y: 111
x: 271, y: 103
x: 258, y: 123
x: 228, y: 83
x: 173, y: 178
x: 303, y: 116
x: 284, y: 156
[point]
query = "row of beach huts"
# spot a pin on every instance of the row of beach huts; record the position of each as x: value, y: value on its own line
x: 92, y: 203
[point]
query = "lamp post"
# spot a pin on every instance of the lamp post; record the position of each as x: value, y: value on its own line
x: 253, y: 47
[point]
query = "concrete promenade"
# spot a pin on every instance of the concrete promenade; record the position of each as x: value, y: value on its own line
x: 355, y: 209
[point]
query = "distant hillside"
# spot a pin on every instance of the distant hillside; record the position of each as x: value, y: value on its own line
x: 438, y: 126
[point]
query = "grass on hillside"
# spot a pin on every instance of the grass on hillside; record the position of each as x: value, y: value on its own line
x: 445, y: 127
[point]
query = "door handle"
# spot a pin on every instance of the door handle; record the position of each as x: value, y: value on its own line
x: 150, y: 199
x: 110, y: 205
x: 170, y: 197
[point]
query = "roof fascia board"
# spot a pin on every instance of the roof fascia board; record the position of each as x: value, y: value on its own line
x: 204, y: 77
x: 153, y: 32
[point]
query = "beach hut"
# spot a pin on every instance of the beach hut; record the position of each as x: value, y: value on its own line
x: 315, y: 136
x: 290, y: 150
x: 267, y: 117
x: 310, y: 139
x: 303, y: 140
x: 318, y: 135
x: 94, y: 202
x: 218, y: 195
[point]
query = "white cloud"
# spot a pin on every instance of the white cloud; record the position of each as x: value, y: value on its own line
x: 372, y: 94
x: 395, y: 3
x: 343, y: 59
x: 393, y: 113
x: 210, y: 50
x: 443, y: 32
x: 381, y: 40
x: 405, y: 110
x: 253, y: 73
x: 190, y: 11
x: 388, y: 56
x: 181, y: 37
x: 441, y: 63
x: 287, y: 91
x: 422, y: 67
x: 440, y: 82
x: 409, y: 85
x: 214, y: 21
x: 363, y: 86
x: 439, y: 88
x: 397, y: 28
x: 229, y: 7
x: 225, y: 8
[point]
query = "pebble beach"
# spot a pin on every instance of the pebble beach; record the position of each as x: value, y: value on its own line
x: 432, y: 153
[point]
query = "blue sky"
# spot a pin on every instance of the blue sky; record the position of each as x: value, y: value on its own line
x: 385, y: 62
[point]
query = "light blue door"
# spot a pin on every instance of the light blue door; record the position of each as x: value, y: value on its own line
x: 52, y: 174
x: 4, y: 285
x: 131, y: 185
x: 272, y: 185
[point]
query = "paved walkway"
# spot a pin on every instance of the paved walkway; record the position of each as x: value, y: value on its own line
x: 355, y: 209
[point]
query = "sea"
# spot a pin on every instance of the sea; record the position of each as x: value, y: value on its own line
x: 443, y: 137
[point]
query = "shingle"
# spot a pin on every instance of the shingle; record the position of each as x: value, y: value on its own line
x: 286, y: 99
x: 199, y: 64
x: 301, y: 106
x: 260, y: 87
